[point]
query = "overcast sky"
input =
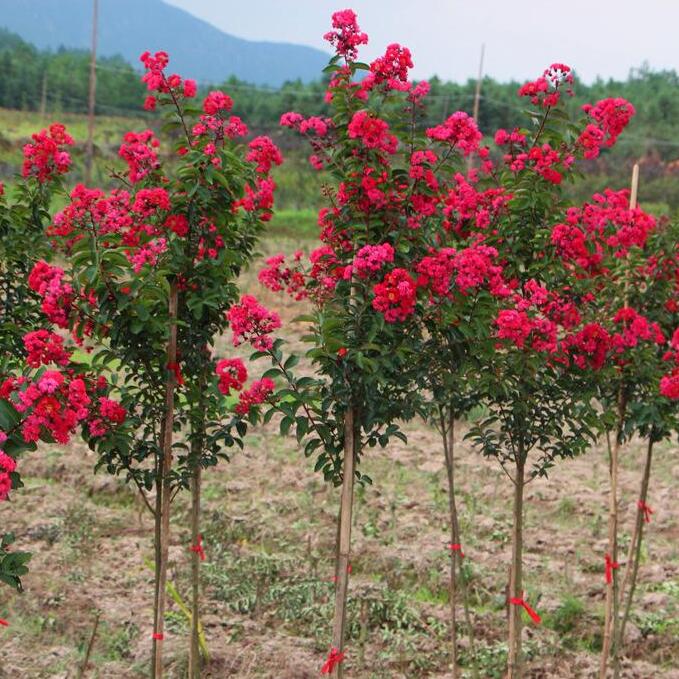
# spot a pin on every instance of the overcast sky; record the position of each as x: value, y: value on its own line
x: 596, y: 37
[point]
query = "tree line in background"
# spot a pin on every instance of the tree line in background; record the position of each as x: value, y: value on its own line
x: 57, y: 82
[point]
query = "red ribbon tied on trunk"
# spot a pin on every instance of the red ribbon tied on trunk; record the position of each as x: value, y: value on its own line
x: 456, y: 548
x: 335, y: 657
x: 157, y: 636
x: 643, y: 507
x: 520, y: 601
x: 198, y: 548
x: 176, y: 371
x: 610, y: 567
x: 4, y: 623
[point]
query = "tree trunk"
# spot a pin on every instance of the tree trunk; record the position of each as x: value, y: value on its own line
x: 194, y: 649
x: 156, y: 548
x: 611, y: 605
x: 166, y: 481
x: 343, y: 553
x: 633, y: 557
x: 449, y: 450
x: 514, y: 670
x: 448, y: 443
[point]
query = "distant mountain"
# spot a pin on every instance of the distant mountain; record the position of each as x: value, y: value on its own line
x: 128, y: 27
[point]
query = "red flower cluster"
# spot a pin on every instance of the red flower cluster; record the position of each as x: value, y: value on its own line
x: 347, y: 36
x: 372, y: 131
x: 396, y: 296
x: 669, y: 383
x: 252, y: 322
x: 156, y: 81
x: 44, y: 347
x: 46, y: 156
x: 232, y: 374
x: 259, y: 391
x: 264, y: 153
x: 276, y: 277
x: 392, y: 69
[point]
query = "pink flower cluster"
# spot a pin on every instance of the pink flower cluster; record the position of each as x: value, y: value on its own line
x: 54, y: 404
x: 253, y: 323
x: 460, y: 131
x: 611, y: 117
x: 46, y: 157
x: 57, y: 296
x: 138, y: 151
x: 606, y: 227
x: 7, y: 466
x: 546, y: 90
x: 390, y: 69
x: 347, y: 35
x: 370, y: 259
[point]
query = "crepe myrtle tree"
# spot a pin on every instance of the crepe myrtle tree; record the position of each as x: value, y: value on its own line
x: 151, y: 271
x: 539, y: 402
x: 382, y: 269
x: 24, y: 213
x: 628, y: 261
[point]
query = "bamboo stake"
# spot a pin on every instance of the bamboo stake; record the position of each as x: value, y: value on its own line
x: 458, y: 540
x: 166, y: 482
x: 611, y: 614
x: 343, y: 553
x: 634, y: 554
x: 514, y: 670
x: 92, y: 94
x: 90, y: 646
x: 194, y: 648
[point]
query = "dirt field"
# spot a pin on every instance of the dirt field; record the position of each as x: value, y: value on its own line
x: 269, y: 529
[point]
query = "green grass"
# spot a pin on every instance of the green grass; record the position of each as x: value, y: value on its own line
x: 296, y: 224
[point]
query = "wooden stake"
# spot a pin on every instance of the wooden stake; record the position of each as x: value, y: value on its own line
x: 634, y: 553
x: 344, y: 550
x: 477, y: 93
x: 168, y: 425
x: 92, y: 94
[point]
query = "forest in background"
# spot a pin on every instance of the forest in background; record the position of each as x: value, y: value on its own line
x: 56, y: 83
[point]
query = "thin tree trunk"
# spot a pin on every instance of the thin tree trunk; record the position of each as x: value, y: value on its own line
x: 611, y: 606
x: 457, y: 539
x: 194, y: 649
x: 166, y: 481
x: 633, y: 556
x: 514, y: 669
x: 447, y: 429
x: 156, y: 547
x: 343, y: 553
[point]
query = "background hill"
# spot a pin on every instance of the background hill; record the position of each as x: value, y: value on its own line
x: 128, y: 27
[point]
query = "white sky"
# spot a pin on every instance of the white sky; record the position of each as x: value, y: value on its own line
x: 522, y: 37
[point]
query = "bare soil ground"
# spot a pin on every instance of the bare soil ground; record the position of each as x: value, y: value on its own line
x: 269, y: 528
